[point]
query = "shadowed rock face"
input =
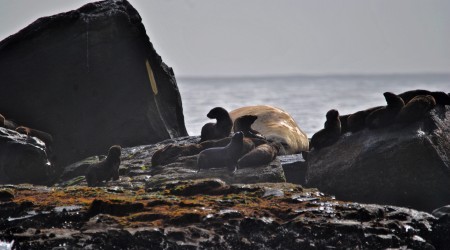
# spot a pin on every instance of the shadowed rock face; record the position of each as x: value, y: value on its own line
x: 23, y: 159
x: 404, y: 165
x: 91, y: 78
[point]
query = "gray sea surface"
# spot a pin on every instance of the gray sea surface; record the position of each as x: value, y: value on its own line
x: 306, y: 98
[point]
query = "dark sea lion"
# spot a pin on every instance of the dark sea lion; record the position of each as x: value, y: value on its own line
x: 222, y: 156
x: 106, y: 169
x: 357, y: 120
x: 7, y: 123
x: 416, y: 109
x: 219, y: 130
x: 43, y: 136
x: 408, y: 95
x: 440, y: 97
x: 330, y: 133
x: 244, y: 124
x: 276, y: 125
x: 344, y: 123
x: 171, y: 152
x: 261, y: 155
x: 385, y: 116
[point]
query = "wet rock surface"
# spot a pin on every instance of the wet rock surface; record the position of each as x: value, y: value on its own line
x: 208, y: 214
x: 23, y: 159
x: 90, y: 73
x: 403, y: 165
x: 145, y: 209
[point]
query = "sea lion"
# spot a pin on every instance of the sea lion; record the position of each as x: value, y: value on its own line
x: 261, y: 155
x: 440, y: 97
x: 329, y: 134
x: 275, y: 125
x: 219, y: 130
x: 7, y: 123
x: 416, y: 109
x: 385, y: 116
x: 357, y: 120
x: 222, y: 156
x: 344, y: 123
x: 244, y: 124
x: 171, y: 152
x: 106, y: 169
x: 43, y: 136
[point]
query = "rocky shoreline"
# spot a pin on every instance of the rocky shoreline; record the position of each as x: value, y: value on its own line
x: 205, y: 214
x: 186, y: 210
x: 120, y: 92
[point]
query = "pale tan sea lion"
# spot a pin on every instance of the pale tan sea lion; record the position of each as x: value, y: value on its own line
x: 276, y: 125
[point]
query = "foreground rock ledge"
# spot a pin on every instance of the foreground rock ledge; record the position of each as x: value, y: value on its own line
x: 83, y: 77
x: 208, y: 214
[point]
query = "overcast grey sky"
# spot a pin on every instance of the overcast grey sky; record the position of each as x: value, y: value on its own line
x: 266, y: 37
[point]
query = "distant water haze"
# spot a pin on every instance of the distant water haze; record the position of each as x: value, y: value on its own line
x: 307, y: 99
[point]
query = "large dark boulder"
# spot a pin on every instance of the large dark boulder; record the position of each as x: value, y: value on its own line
x: 23, y: 159
x: 83, y: 77
x: 399, y: 165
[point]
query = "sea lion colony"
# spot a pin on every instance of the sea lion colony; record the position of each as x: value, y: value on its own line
x: 401, y: 109
x: 248, y: 147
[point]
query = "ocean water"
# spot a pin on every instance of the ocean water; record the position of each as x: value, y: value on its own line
x: 306, y: 98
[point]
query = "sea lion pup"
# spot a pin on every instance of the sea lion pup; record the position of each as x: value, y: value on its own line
x: 329, y: 134
x: 219, y: 130
x: 416, y: 109
x: 244, y: 124
x: 222, y: 156
x: 43, y: 136
x: 261, y: 155
x: 276, y: 125
x: 357, y: 120
x: 440, y: 97
x: 385, y: 116
x: 106, y: 169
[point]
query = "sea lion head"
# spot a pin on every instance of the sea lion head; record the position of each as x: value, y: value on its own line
x: 441, y: 97
x: 248, y: 119
x: 393, y: 100
x: 217, y: 112
x: 114, y: 151
x: 332, y: 114
x: 237, y: 137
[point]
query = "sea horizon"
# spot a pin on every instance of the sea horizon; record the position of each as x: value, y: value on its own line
x: 305, y: 97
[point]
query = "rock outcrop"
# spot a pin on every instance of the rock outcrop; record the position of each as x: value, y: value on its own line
x: 403, y: 165
x: 23, y: 159
x: 91, y: 78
